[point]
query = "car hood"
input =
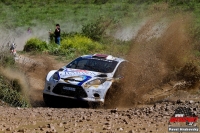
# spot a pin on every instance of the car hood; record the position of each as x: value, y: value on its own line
x: 78, y: 76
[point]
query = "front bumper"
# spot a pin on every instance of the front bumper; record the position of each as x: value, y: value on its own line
x: 49, y: 96
x: 64, y: 90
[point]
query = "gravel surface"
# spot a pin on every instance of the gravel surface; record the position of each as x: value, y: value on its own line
x: 144, y: 119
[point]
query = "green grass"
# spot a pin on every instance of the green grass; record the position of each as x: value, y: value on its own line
x: 73, y: 14
x: 70, y: 16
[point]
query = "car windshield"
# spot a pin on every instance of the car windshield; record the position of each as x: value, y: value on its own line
x: 93, y: 64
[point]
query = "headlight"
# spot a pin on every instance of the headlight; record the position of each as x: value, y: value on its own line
x: 56, y: 76
x: 96, y: 82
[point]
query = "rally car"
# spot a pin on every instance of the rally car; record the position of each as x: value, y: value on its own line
x: 87, y: 78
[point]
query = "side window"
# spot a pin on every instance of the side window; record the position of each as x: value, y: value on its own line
x: 121, y: 69
x: 73, y: 64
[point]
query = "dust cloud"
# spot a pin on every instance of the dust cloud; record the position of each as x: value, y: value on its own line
x: 13, y: 74
x: 158, y: 49
x: 20, y: 36
x: 36, y: 68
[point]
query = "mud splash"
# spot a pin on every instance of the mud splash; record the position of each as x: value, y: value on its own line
x: 36, y: 67
x: 160, y: 48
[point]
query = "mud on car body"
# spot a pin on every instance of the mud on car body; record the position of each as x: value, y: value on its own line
x: 87, y: 78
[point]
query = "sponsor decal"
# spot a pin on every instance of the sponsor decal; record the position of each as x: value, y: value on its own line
x: 73, y: 72
x: 69, y: 88
x: 86, y: 78
x: 183, y: 115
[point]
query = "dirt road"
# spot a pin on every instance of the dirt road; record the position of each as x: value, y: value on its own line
x: 152, y: 118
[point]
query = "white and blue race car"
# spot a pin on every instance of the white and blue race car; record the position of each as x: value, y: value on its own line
x: 87, y: 78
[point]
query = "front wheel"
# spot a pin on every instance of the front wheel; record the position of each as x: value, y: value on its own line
x: 114, y: 95
x: 96, y: 105
x: 49, y: 100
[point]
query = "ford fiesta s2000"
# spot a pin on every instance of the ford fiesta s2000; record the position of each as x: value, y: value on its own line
x: 87, y: 78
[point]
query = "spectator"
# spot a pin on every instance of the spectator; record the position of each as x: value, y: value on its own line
x: 29, y: 30
x: 57, y: 34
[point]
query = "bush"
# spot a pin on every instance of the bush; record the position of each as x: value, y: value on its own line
x: 100, y: 1
x: 6, y: 59
x: 35, y: 44
x: 10, y: 92
x: 80, y: 44
x: 70, y: 34
x: 53, y: 49
x: 95, y: 30
x: 51, y: 38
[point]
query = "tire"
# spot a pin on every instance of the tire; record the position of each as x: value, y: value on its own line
x: 60, y: 102
x: 112, y: 98
x: 96, y: 105
x: 48, y: 100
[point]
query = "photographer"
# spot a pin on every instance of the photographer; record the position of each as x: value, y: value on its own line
x: 57, y: 34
